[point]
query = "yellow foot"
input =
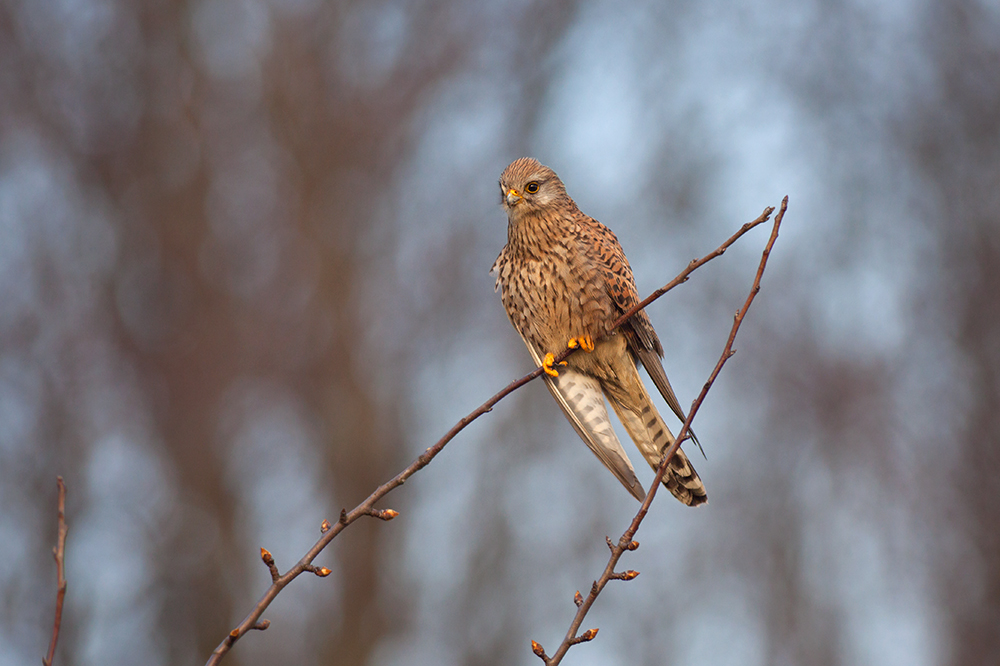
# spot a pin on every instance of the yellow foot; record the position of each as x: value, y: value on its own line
x: 584, y: 342
x: 547, y: 364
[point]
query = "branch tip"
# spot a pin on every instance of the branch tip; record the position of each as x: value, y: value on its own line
x: 623, y: 575
x: 322, y: 572
x: 265, y: 555
x: 539, y: 651
x: 59, y: 554
x: 382, y: 514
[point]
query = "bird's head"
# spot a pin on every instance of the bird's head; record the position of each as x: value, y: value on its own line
x: 528, y: 187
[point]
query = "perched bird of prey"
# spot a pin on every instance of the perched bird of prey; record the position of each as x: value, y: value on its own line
x: 563, y: 279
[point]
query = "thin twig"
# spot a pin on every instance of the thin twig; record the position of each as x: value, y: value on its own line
x: 59, y: 552
x: 366, y: 508
x: 626, y: 542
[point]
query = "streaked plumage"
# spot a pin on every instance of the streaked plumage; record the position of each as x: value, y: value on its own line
x: 562, y: 276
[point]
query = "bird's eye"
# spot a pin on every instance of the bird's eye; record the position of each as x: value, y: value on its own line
x: 531, y: 187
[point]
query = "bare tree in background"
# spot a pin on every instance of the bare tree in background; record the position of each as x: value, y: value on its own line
x: 246, y: 159
x: 905, y: 435
x: 953, y: 141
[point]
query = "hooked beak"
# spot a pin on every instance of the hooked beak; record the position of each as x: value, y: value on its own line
x: 512, y: 197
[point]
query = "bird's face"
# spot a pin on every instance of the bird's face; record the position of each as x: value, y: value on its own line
x: 527, y: 186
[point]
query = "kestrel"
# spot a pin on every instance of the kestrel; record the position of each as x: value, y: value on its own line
x: 563, y: 279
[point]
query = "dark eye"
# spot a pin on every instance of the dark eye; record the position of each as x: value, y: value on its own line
x: 531, y: 187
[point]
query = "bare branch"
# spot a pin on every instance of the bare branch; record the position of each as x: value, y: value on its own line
x: 624, y: 575
x: 322, y: 572
x: 60, y: 554
x: 265, y: 555
x: 626, y: 542
x: 366, y: 508
x: 383, y: 514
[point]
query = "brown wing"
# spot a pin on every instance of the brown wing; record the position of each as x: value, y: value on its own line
x: 643, y: 342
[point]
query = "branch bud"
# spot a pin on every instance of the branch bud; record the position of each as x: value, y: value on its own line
x: 383, y: 514
x: 624, y: 575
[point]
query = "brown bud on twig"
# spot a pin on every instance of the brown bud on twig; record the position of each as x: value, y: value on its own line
x: 383, y: 514
x: 578, y: 599
x: 265, y: 555
x: 322, y: 572
x: 625, y: 575
x: 343, y: 516
x: 585, y: 637
x: 539, y: 650
x: 262, y: 625
x: 633, y: 545
x: 325, y: 527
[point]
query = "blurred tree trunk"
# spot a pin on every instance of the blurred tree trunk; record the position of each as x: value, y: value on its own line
x: 955, y: 143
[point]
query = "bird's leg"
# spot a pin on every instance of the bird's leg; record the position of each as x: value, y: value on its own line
x: 584, y: 342
x: 548, y: 362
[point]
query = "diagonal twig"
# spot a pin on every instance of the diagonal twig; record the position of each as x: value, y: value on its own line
x: 59, y: 552
x: 625, y: 542
x: 366, y: 508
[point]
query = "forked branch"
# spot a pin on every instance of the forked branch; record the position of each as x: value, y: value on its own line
x: 625, y: 542
x: 367, y: 507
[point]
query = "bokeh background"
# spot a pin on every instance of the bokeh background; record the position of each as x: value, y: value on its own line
x: 243, y: 280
